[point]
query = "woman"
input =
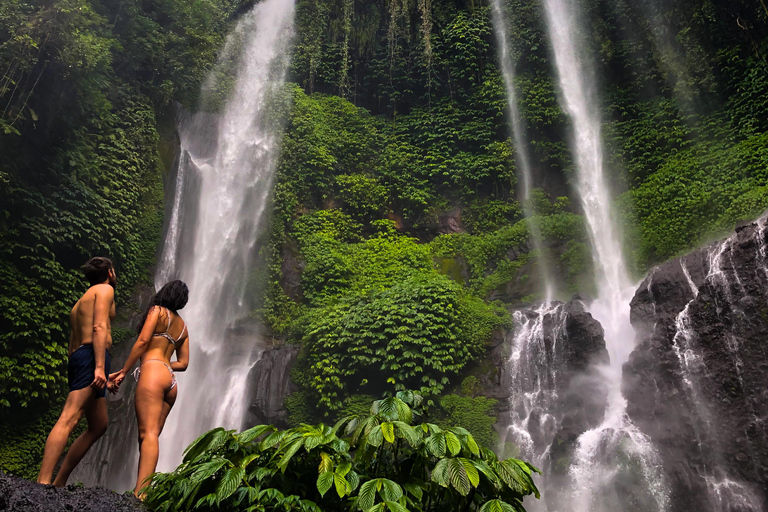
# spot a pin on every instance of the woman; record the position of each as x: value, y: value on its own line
x: 161, y: 333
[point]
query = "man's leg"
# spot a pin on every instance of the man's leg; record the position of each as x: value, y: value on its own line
x: 73, y: 411
x: 96, y: 416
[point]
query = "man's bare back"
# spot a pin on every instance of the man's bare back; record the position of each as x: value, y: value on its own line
x: 87, y: 370
x: 82, y: 316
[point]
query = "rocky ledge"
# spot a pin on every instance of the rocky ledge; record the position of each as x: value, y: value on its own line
x: 19, y: 495
x: 697, y: 382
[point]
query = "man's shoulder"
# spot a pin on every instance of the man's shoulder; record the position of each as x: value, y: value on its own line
x: 101, y: 290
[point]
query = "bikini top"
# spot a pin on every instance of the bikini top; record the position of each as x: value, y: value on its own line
x: 167, y: 335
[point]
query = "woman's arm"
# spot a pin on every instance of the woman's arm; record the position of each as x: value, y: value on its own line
x: 140, y: 346
x: 182, y: 356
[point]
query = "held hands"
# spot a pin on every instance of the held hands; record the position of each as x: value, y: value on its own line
x: 99, y: 380
x: 115, y: 379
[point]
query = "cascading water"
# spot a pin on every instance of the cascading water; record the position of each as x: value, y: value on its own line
x: 521, y: 149
x: 532, y: 366
x: 615, y: 456
x: 235, y: 181
x: 223, y: 182
x: 725, y: 492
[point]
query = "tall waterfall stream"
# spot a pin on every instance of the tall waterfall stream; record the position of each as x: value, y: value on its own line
x: 223, y: 183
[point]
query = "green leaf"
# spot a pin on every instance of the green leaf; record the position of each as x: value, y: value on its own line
x: 326, y: 464
x: 342, y: 486
x: 436, y: 444
x: 254, y: 432
x: 376, y: 436
x: 208, y: 469
x: 367, y: 495
x: 324, y: 482
x: 290, y: 451
x: 452, y: 442
x: 229, y: 483
x: 388, y: 431
x: 496, y: 506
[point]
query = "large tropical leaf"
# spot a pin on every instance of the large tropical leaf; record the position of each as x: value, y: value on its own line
x: 367, y: 495
x: 208, y: 442
x: 376, y: 436
x: 408, y: 433
x: 254, y: 432
x: 497, y: 506
x: 290, y: 451
x: 392, y: 506
x: 324, y: 482
x: 229, y: 483
x: 388, y: 431
x: 436, y: 444
x: 207, y: 470
x: 452, y: 442
x: 326, y: 464
x: 342, y: 486
x: 392, y: 408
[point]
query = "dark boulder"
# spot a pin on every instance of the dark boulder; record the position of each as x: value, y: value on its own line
x: 697, y: 382
x: 562, y: 362
x: 270, y: 382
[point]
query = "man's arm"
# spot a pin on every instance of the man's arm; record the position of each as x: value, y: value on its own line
x: 105, y: 296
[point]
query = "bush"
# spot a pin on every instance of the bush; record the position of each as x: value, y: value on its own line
x: 386, y: 460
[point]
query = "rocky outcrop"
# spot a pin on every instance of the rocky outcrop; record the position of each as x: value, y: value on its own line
x: 19, y: 495
x: 550, y: 356
x: 697, y: 382
x: 270, y: 382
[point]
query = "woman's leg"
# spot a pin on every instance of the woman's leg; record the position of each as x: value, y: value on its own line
x: 151, y: 411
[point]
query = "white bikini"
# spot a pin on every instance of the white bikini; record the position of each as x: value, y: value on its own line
x: 175, y: 342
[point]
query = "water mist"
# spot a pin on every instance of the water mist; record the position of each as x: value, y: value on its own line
x: 523, y: 159
x: 616, y: 454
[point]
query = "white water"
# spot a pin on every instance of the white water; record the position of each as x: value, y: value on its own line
x: 725, y: 492
x: 616, y: 449
x: 523, y: 159
x: 532, y: 365
x: 233, y: 157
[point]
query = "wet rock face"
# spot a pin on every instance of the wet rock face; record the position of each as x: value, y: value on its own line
x: 697, y: 382
x: 270, y: 382
x: 19, y: 495
x: 571, y: 393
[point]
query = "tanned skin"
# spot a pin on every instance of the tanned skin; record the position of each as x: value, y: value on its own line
x: 91, y: 321
x: 154, y: 396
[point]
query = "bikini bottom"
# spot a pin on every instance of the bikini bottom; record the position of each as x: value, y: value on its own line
x: 137, y: 371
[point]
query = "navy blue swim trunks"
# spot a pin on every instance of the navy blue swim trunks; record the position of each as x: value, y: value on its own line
x: 82, y: 368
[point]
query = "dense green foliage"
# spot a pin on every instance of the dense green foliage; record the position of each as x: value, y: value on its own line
x: 85, y: 86
x: 385, y: 460
x: 396, y: 242
x: 400, y: 125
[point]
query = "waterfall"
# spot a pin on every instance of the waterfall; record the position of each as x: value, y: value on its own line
x: 220, y: 196
x: 725, y: 492
x: 235, y: 158
x: 532, y: 366
x: 521, y: 148
x: 614, y: 464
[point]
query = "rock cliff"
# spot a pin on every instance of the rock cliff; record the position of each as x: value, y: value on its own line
x: 697, y: 382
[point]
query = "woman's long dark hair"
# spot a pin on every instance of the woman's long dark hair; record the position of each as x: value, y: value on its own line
x: 173, y: 296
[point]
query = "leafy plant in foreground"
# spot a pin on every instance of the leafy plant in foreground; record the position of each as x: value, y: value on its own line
x: 387, y: 460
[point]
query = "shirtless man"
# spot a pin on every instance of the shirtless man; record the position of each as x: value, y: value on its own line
x: 91, y: 321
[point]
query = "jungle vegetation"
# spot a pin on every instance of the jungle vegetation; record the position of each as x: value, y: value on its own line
x: 396, y: 240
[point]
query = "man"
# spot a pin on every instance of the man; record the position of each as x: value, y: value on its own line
x: 88, y: 367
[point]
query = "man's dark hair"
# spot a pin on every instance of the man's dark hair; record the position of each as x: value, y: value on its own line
x: 97, y: 269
